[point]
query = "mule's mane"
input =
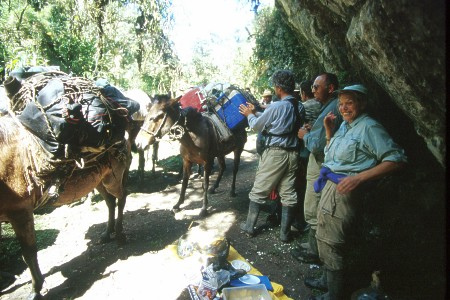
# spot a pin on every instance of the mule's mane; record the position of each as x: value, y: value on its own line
x: 192, y: 115
x: 162, y: 98
x: 8, y: 129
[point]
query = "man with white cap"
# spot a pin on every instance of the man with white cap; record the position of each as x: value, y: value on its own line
x: 266, y: 98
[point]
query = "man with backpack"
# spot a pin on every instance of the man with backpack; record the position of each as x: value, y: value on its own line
x: 280, y: 123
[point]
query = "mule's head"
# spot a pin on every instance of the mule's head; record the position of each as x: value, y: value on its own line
x: 163, y: 113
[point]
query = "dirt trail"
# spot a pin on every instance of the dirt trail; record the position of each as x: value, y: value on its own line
x: 77, y: 266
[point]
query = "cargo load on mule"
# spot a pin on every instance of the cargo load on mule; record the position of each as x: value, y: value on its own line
x: 31, y: 176
x: 76, y: 123
x: 220, y: 103
x: 70, y: 115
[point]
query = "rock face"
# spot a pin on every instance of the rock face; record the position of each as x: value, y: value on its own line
x: 396, y: 48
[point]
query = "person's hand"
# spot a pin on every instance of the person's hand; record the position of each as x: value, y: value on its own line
x: 247, y: 110
x: 328, y: 121
x: 301, y: 132
x: 348, y: 184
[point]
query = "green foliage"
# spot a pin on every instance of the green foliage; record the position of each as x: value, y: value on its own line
x: 123, y: 41
x: 67, y: 47
x: 171, y: 164
x: 276, y: 47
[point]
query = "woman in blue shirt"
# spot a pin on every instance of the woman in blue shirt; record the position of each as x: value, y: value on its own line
x: 361, y: 150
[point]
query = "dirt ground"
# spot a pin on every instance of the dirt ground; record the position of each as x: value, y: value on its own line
x: 77, y: 266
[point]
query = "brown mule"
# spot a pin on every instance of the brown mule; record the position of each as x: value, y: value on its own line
x: 21, y: 190
x: 199, y: 141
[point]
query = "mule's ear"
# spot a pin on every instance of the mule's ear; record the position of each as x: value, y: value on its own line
x: 174, y: 101
x: 178, y: 98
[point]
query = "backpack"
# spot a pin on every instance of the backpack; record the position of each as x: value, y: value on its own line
x: 299, y: 120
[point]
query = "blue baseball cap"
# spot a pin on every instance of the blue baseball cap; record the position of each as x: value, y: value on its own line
x: 356, y: 88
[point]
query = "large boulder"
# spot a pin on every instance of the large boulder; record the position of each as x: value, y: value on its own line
x: 395, y: 47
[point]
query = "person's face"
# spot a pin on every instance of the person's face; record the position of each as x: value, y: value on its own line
x: 303, y: 96
x: 321, y: 90
x: 349, y: 108
x: 267, y: 99
x: 278, y: 92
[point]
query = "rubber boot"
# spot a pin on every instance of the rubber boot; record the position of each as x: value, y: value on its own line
x: 249, y: 226
x: 335, y: 282
x: 287, y: 217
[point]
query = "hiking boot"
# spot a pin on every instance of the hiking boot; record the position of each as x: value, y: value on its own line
x: 306, y: 257
x: 304, y: 254
x: 305, y: 246
x: 318, y: 284
x: 299, y: 226
x: 335, y: 286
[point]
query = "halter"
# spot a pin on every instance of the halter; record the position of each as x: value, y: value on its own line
x: 157, y: 131
x: 176, y: 131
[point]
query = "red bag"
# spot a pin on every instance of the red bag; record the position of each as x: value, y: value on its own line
x: 274, y: 194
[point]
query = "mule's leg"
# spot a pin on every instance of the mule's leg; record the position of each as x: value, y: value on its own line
x: 23, y: 225
x: 155, y: 156
x: 120, y: 236
x: 121, y: 200
x: 222, y: 168
x: 207, y: 170
x: 237, y: 161
x: 141, y: 166
x: 186, y: 173
x: 111, y: 203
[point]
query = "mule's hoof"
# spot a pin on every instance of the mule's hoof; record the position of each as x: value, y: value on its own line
x: 105, y: 238
x: 212, y: 191
x: 203, y: 213
x: 121, y: 239
x: 34, y: 296
x: 175, y: 209
x: 233, y: 194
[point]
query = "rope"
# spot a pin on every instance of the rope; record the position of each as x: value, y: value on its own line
x: 176, y: 132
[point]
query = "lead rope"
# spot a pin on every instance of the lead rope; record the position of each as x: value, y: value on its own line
x: 177, y: 131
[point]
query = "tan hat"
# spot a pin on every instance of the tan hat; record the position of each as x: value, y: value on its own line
x: 267, y: 93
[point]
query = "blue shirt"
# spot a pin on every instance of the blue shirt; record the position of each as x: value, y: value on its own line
x: 278, y: 118
x: 315, y: 140
x: 360, y: 146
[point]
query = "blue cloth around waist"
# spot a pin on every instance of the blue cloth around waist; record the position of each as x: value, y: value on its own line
x: 325, y: 175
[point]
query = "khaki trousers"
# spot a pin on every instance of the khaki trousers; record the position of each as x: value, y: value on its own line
x: 277, y: 168
x: 334, y: 219
x: 311, y: 197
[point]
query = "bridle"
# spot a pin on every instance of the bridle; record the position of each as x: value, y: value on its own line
x: 158, y: 131
x: 176, y: 131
